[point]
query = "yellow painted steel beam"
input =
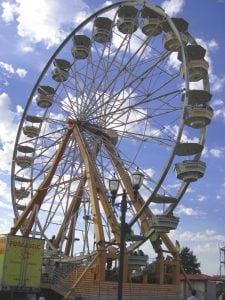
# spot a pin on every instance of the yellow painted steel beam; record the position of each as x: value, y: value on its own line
x: 37, y: 199
x: 31, y: 220
x: 70, y: 236
x: 74, y: 206
x: 124, y: 176
x: 91, y: 179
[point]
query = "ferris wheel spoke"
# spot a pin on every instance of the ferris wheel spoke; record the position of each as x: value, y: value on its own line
x: 121, y: 69
x: 101, y: 79
x: 143, y: 73
x: 110, y: 97
x: 155, y: 137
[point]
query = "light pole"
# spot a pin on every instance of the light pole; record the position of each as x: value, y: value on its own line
x: 136, y: 180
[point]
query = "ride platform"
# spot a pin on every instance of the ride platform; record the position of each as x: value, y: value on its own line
x: 81, y: 279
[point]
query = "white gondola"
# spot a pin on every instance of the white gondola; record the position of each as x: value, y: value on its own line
x: 31, y: 131
x: 33, y: 119
x: 60, y: 73
x: 151, y: 22
x: 193, y: 52
x: 102, y: 30
x: 22, y: 179
x: 161, y: 223
x: 136, y: 262
x: 44, y: 101
x: 159, y: 198
x: 25, y: 149
x: 20, y: 207
x: 198, y: 70
x: 198, y: 116
x: 81, y: 46
x: 190, y: 170
x: 21, y: 193
x: 197, y: 65
x: 171, y: 41
x: 45, y: 97
x: 196, y: 97
x: 187, y: 149
x: 24, y: 161
x: 127, y: 22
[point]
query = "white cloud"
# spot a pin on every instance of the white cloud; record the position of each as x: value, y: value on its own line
x: 26, y: 49
x: 188, y: 211
x: 172, y: 186
x: 4, y: 191
x: 9, y: 69
x: 44, y: 21
x: 204, y: 245
x: 190, y: 190
x: 21, y: 72
x: 201, y: 198
x: 9, y: 10
x: 150, y: 172
x: 217, y: 102
x: 6, y: 223
x: 220, y: 113
x: 173, y: 62
x: 213, y: 45
x: 6, y: 157
x: 8, y: 129
x: 216, y: 152
x: 207, y: 235
x: 213, y: 152
x: 217, y: 83
x: 173, y: 7
x: 19, y: 109
x: 173, y: 131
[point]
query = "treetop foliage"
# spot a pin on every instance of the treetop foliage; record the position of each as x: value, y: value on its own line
x: 189, y: 261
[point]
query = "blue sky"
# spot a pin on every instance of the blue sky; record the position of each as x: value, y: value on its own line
x: 30, y: 31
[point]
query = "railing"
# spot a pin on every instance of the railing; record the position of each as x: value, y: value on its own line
x: 55, y: 270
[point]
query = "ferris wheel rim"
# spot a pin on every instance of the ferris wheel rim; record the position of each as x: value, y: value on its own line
x: 181, y: 126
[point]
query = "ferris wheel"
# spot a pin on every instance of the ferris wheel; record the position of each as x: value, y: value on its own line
x: 126, y: 93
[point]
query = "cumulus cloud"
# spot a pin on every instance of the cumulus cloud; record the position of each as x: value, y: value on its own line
x: 9, y: 70
x: 8, y: 129
x: 173, y: 131
x: 173, y: 7
x: 216, y: 152
x: 44, y: 21
x: 150, y: 172
x: 173, y: 62
x: 217, y: 102
x: 217, y: 82
x: 220, y: 113
x: 204, y: 245
x: 213, y: 152
x: 188, y: 211
x: 9, y: 10
x: 4, y: 191
x: 201, y: 198
x: 200, y: 236
x: 6, y: 223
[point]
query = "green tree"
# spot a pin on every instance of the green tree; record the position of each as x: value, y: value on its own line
x: 189, y: 261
